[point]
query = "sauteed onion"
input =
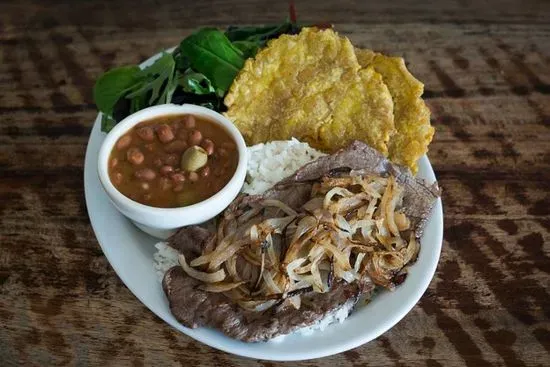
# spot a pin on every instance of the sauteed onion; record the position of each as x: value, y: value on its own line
x: 267, y: 253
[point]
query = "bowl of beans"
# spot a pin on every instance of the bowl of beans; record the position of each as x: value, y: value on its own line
x: 170, y: 166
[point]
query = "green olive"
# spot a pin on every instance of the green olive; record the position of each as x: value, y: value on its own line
x: 193, y: 159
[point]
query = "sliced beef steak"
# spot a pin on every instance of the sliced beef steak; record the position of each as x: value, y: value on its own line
x: 191, y: 241
x: 418, y: 197
x: 194, y: 307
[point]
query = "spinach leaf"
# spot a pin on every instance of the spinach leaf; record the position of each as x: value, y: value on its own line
x: 211, y: 100
x: 112, y: 85
x: 248, y: 48
x: 261, y: 34
x: 193, y: 82
x: 157, y: 79
x: 257, y: 34
x: 142, y: 88
x: 182, y: 61
x: 251, y: 39
x: 238, y: 33
x: 212, y: 54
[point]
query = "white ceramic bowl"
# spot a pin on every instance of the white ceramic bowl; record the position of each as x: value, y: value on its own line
x: 161, y: 222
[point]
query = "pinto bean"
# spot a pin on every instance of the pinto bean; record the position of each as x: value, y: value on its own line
x: 175, y: 126
x: 123, y: 142
x: 182, y: 134
x: 228, y: 145
x: 223, y: 152
x: 195, y: 137
x: 157, y: 162
x: 189, y: 121
x: 114, y: 162
x: 145, y: 174
x: 178, y: 188
x: 146, y: 133
x: 135, y: 156
x: 117, y: 178
x: 171, y: 159
x: 178, y: 177
x: 208, y: 145
x: 177, y: 146
x: 193, y: 176
x: 165, y: 133
x: 205, y: 171
x: 166, y: 170
x: 165, y: 183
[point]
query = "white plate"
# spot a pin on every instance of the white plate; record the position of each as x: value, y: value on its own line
x: 130, y: 253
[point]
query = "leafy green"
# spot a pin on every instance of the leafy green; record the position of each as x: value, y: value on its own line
x: 257, y: 34
x: 112, y: 85
x: 251, y: 39
x: 193, y: 82
x: 182, y: 61
x: 240, y: 33
x: 151, y: 86
x: 211, y: 100
x: 212, y: 54
x: 248, y: 48
x: 158, y: 79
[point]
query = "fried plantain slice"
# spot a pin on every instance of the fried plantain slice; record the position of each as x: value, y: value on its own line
x: 310, y: 86
x: 412, y: 116
x: 364, y: 112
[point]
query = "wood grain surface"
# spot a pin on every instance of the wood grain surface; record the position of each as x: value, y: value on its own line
x: 486, y: 66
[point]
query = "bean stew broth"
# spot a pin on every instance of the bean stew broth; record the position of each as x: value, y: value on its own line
x: 173, y: 161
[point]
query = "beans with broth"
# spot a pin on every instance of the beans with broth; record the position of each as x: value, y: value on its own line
x: 173, y: 161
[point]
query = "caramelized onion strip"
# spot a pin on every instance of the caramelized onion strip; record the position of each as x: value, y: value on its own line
x: 215, y: 277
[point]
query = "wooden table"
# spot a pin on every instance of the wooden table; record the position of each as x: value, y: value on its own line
x: 486, y: 66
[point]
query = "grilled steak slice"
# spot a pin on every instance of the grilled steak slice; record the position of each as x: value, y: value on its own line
x: 191, y: 241
x: 195, y: 308
x: 418, y: 197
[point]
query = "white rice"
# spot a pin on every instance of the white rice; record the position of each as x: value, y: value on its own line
x: 271, y: 162
x: 338, y: 315
x: 267, y: 164
x: 165, y: 258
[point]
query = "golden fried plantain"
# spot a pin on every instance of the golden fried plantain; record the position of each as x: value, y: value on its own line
x: 364, y: 112
x: 310, y: 86
x: 412, y: 116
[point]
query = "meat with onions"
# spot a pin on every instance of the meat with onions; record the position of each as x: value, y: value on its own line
x: 317, y: 241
